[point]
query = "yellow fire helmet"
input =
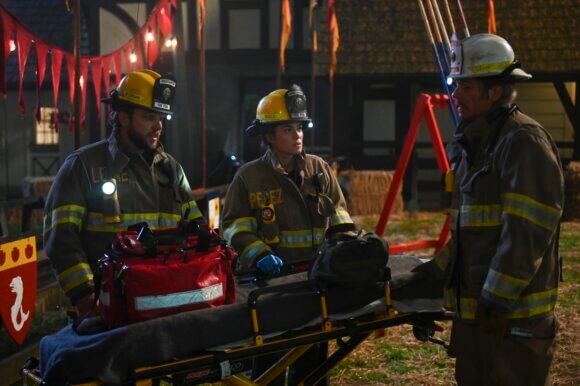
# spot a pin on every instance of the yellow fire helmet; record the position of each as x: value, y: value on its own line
x: 485, y: 55
x: 282, y: 105
x: 145, y: 89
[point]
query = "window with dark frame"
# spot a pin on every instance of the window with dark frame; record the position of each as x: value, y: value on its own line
x: 44, y: 130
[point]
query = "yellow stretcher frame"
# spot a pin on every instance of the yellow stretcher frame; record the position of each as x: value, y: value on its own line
x: 227, y: 366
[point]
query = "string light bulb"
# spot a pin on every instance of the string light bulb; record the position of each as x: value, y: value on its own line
x: 171, y: 42
x: 12, y: 45
x: 149, y: 36
x: 133, y: 57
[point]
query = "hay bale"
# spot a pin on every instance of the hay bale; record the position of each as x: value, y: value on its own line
x: 368, y: 190
x: 572, y: 192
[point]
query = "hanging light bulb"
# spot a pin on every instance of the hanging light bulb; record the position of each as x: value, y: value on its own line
x: 149, y: 36
x: 12, y: 45
x: 133, y: 57
x: 82, y: 81
x: 171, y: 42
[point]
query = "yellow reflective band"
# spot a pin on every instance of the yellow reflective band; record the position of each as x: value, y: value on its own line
x: 72, y: 214
x: 449, y: 299
x: 442, y: 258
x: 504, y: 286
x: 480, y: 216
x: 535, y: 304
x: 523, y: 206
x: 301, y: 238
x: 254, y: 249
x: 340, y: 217
x: 272, y: 117
x: 96, y: 221
x: 489, y: 67
x: 242, y: 224
x: 74, y: 276
x: 467, y: 307
x: 194, y: 211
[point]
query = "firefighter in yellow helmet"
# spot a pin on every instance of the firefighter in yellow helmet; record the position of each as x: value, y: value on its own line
x: 502, y: 261
x: 279, y: 208
x: 104, y: 187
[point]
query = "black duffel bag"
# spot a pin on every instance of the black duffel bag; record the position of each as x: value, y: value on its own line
x: 355, y: 262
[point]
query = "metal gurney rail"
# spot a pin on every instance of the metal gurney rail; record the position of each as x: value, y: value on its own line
x: 219, y: 344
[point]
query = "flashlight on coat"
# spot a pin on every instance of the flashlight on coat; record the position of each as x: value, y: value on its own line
x: 111, y: 208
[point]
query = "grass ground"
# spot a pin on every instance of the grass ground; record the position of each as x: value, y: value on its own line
x: 399, y: 359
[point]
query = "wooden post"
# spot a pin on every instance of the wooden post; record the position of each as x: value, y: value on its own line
x: 77, y: 55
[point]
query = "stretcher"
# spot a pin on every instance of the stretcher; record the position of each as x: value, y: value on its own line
x: 289, y: 314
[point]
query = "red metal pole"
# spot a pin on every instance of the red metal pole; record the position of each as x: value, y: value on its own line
x: 422, y: 103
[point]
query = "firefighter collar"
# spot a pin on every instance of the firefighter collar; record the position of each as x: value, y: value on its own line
x: 270, y: 158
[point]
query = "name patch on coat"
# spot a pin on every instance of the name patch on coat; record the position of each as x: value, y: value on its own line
x: 261, y: 199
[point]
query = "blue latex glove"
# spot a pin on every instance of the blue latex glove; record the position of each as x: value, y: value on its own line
x: 270, y: 264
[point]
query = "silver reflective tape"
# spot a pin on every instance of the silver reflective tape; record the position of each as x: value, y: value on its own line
x: 144, y: 303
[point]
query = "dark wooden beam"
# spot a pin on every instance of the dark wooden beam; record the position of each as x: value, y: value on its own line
x: 573, y: 113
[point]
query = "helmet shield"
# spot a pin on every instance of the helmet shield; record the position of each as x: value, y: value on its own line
x: 145, y: 89
x: 163, y: 94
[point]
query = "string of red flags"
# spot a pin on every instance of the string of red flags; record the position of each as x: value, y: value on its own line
x: 334, y: 36
x: 312, y: 24
x: 142, y: 50
x: 491, y: 27
x: 285, y: 33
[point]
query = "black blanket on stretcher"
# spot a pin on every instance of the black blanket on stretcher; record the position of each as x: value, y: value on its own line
x: 109, y: 356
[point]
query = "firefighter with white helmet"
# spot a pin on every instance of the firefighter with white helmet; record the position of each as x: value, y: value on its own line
x: 106, y: 186
x: 502, y: 260
x: 279, y: 208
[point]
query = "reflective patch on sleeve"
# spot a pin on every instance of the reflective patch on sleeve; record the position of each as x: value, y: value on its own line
x: 74, y: 276
x: 525, y: 207
x: 504, y: 286
x: 253, y: 250
x: 194, y: 211
x: 242, y: 224
x: 66, y: 214
x: 340, y: 217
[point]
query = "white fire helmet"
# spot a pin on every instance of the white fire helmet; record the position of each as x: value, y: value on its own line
x: 484, y: 55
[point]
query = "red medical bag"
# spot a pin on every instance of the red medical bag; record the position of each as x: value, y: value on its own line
x: 163, y: 274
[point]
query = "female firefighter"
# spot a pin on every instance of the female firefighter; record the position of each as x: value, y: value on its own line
x: 279, y: 208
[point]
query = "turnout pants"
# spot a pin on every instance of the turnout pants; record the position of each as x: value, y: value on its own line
x: 522, y: 356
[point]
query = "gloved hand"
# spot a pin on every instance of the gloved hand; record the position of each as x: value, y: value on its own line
x: 270, y: 264
x: 491, y: 322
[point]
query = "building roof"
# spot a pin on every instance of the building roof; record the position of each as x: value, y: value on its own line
x: 388, y: 37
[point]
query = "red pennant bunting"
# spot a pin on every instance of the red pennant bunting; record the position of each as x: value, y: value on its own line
x: 8, y: 23
x: 84, y: 83
x: 24, y: 41
x: 106, y: 66
x: 138, y: 54
x: 151, y: 46
x: 127, y: 50
x: 41, y: 52
x: 70, y: 67
x: 6, y: 34
x: 164, y: 19
x: 117, y: 64
x: 96, y: 72
x: 55, y: 71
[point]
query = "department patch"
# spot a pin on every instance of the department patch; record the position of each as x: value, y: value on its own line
x: 18, y: 273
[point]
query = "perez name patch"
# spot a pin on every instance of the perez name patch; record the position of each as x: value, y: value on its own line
x: 260, y: 199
